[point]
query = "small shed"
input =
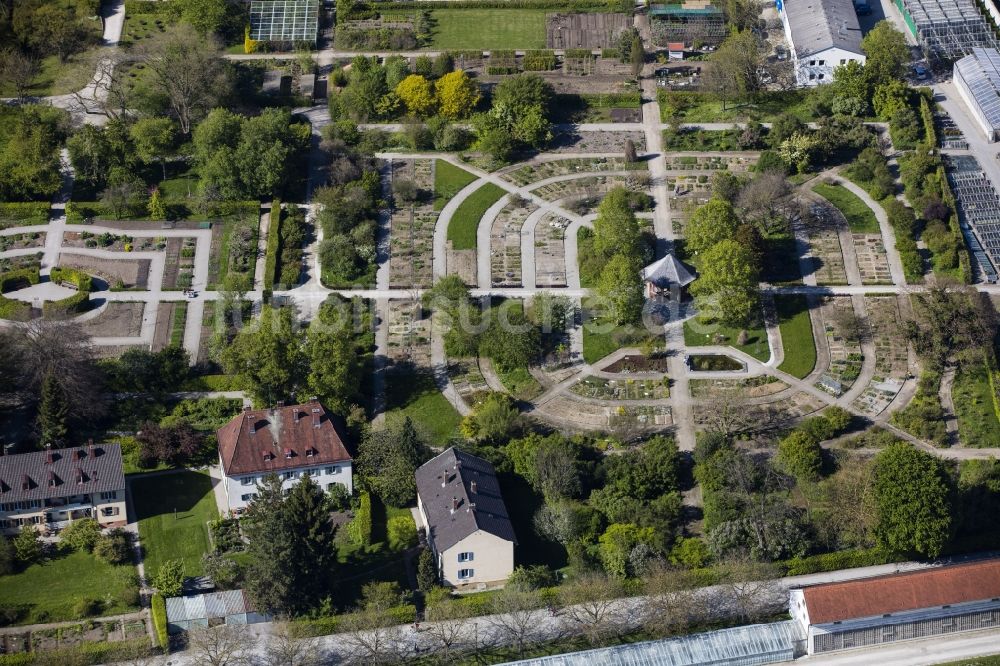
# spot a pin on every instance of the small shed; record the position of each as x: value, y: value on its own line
x: 202, y: 610
x: 675, y: 50
x: 661, y: 276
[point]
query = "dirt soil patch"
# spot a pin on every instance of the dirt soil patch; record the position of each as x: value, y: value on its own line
x: 638, y: 363
x: 585, y: 31
x: 119, y: 320
x: 130, y: 272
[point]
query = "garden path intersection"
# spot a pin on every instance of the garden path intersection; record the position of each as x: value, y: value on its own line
x: 682, y: 406
x: 310, y: 293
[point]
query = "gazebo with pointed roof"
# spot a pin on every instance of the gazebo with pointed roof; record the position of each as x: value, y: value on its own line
x: 663, y: 274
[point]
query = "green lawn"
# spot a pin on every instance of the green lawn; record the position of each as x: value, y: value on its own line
x: 756, y: 345
x: 692, y: 107
x: 973, y: 398
x: 601, y: 338
x: 521, y: 383
x: 488, y: 29
x: 173, y: 512
x: 60, y: 78
x: 414, y: 394
x: 177, y: 326
x: 47, y: 592
x: 976, y: 661
x: 859, y: 216
x: 796, y: 335
x: 448, y: 181
x: 465, y: 221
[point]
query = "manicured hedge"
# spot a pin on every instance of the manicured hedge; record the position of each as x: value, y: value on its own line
x: 78, y: 212
x: 844, y: 559
x: 78, y: 302
x: 292, y: 234
x: 8, y: 279
x: 323, y: 626
x: 271, y: 254
x: 23, y: 214
x: 622, y: 100
x: 159, y: 608
x: 571, y: 5
x: 85, y: 653
x: 82, y: 281
x: 360, y: 527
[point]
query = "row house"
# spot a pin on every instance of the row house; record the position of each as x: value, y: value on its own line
x: 49, y: 489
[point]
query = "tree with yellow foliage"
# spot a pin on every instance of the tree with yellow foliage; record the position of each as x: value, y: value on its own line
x: 415, y: 91
x: 457, y: 95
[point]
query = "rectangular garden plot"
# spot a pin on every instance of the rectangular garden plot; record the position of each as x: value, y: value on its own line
x: 409, y: 333
x: 532, y: 173
x: 872, y: 260
x: 891, y: 355
x: 842, y: 329
x: 622, y: 389
x: 550, y: 251
x: 412, y: 228
x: 505, y: 243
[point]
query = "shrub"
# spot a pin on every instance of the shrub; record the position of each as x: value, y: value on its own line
x: 844, y: 559
x: 87, y: 607
x: 115, y: 547
x: 360, y: 527
x: 271, y: 254
x: 159, y: 607
x: 82, y: 534
x: 402, y: 532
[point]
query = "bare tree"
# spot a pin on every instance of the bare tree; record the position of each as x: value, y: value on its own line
x: 221, y: 645
x: 449, y: 631
x: 18, y: 69
x: 188, y: 71
x: 592, y: 607
x: 60, y: 349
x: 108, y: 92
x: 764, y: 200
x: 728, y: 414
x: 515, y: 618
x: 372, y: 639
x: 751, y: 588
x: 672, y: 603
x: 284, y: 648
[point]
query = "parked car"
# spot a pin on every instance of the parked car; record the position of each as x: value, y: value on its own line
x: 920, y: 71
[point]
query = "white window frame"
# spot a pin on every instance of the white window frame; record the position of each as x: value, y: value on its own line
x: 109, y: 495
x: 247, y: 497
x: 331, y: 471
x: 248, y: 481
x: 109, y: 511
x: 466, y: 574
x: 465, y: 557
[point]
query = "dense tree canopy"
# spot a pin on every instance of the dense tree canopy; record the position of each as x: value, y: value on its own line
x: 913, y: 497
x: 727, y: 286
x: 715, y: 221
x: 886, y: 53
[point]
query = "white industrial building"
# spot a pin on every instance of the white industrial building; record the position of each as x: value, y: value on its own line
x: 977, y: 77
x: 822, y: 34
x: 886, y: 609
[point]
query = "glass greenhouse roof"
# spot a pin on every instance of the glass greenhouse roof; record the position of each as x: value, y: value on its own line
x: 981, y: 73
x: 739, y: 646
x: 284, y: 20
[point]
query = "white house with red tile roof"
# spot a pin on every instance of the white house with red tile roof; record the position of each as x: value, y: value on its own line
x: 884, y: 609
x: 288, y: 441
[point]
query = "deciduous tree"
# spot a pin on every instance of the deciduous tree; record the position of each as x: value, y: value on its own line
x: 913, y: 497
x: 727, y: 286
x: 886, y: 53
x: 713, y: 222
x: 417, y: 95
x: 267, y: 357
x: 457, y: 95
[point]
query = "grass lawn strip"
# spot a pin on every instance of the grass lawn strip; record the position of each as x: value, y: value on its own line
x: 796, y: 336
x: 465, y: 222
x: 756, y: 345
x: 973, y: 398
x: 521, y: 383
x: 859, y: 216
x: 448, y: 181
x: 52, y: 588
x: 173, y: 512
x: 600, y: 338
x: 414, y: 394
x: 177, y: 327
x: 488, y: 29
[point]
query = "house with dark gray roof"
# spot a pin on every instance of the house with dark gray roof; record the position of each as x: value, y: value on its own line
x: 465, y: 519
x: 50, y: 489
x: 823, y: 35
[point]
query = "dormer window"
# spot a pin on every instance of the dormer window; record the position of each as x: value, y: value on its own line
x: 53, y: 480
x: 288, y: 454
x: 79, y: 477
x: 267, y: 455
x: 25, y: 482
x: 310, y: 452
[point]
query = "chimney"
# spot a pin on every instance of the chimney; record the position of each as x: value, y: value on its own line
x: 49, y: 456
x: 472, y: 506
x: 313, y: 399
x: 295, y: 414
x: 315, y: 415
x: 454, y: 504
x: 280, y: 404
x: 246, y: 408
x: 253, y: 424
x: 90, y: 448
x: 473, y: 487
x: 444, y: 478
